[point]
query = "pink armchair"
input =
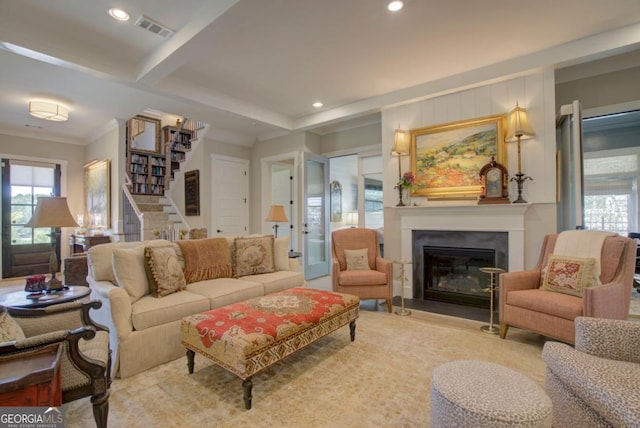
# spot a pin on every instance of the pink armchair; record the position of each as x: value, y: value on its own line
x: 374, y: 283
x: 524, y: 304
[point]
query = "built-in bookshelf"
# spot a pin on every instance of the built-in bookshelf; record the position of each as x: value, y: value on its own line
x: 177, y: 145
x: 148, y: 172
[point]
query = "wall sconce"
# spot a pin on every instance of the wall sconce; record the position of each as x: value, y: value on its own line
x: 277, y: 215
x: 52, y: 212
x: 48, y: 111
x: 400, y: 147
x: 519, y: 128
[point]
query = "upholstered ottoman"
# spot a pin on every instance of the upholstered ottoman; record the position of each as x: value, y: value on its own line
x: 248, y: 337
x: 470, y: 393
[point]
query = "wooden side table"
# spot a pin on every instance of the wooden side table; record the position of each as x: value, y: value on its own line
x: 32, y: 378
x: 82, y: 243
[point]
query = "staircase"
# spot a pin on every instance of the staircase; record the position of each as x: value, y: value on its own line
x: 154, y: 216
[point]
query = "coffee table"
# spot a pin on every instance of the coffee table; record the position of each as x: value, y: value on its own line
x: 247, y: 337
x: 19, y: 299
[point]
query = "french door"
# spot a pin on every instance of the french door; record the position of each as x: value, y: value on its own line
x: 26, y: 250
x: 316, y: 216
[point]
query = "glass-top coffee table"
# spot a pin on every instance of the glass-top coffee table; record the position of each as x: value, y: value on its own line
x: 19, y: 299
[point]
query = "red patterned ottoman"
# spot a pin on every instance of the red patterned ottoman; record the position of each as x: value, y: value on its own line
x: 248, y: 337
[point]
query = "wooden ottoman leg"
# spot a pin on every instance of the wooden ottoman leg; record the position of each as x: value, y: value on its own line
x: 190, y: 360
x: 247, y: 384
x: 352, y: 330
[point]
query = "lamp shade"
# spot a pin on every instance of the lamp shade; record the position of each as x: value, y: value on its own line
x: 52, y: 212
x: 352, y: 219
x: 519, y: 125
x: 400, y: 143
x: 277, y: 214
x: 48, y: 111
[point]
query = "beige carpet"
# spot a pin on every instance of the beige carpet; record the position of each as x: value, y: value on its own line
x: 381, y: 379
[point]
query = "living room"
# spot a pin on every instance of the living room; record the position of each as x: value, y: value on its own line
x: 599, y: 68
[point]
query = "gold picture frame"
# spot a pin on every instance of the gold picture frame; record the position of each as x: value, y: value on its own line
x: 97, y: 194
x: 446, y: 159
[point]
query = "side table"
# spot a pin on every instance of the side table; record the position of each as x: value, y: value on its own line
x: 402, y: 310
x: 32, y: 378
x: 19, y: 299
x: 82, y: 243
x: 493, y: 286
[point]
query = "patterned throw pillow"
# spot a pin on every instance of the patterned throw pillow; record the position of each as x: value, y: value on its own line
x: 163, y: 271
x: 254, y: 255
x: 569, y: 275
x: 357, y: 259
x: 9, y: 328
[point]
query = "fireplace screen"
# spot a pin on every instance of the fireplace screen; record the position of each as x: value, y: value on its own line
x: 453, y: 274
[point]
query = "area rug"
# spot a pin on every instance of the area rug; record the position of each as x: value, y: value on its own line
x: 381, y: 379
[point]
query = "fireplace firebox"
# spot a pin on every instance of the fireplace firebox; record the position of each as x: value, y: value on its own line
x: 453, y: 274
x: 446, y: 264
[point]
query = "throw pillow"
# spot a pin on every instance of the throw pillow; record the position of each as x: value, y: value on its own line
x: 569, y: 275
x: 254, y: 255
x: 129, y: 271
x: 163, y: 271
x: 9, y: 328
x: 281, y: 253
x: 357, y: 259
x: 206, y: 259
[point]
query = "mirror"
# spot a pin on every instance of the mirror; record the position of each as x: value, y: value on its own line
x: 143, y: 133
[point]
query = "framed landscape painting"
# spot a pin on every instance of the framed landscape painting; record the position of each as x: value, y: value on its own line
x: 447, y: 159
x: 97, y: 193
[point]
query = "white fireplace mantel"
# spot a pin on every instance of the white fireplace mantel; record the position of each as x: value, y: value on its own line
x: 508, y: 218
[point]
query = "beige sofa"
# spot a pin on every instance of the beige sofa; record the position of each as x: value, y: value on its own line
x: 145, y: 330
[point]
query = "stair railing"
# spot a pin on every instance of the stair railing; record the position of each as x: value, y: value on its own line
x: 133, y: 224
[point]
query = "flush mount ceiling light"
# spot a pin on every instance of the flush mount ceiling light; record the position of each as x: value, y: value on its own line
x: 394, y: 5
x: 48, y: 111
x: 317, y: 104
x: 118, y: 14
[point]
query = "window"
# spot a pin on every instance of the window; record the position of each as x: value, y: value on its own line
x: 610, y: 191
x: 29, y: 182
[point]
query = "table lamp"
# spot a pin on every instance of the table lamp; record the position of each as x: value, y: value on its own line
x: 277, y: 215
x: 400, y: 148
x: 52, y: 212
x: 519, y: 129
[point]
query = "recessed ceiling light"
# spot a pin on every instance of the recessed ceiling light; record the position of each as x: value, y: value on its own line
x: 118, y: 14
x: 395, y: 5
x: 317, y: 104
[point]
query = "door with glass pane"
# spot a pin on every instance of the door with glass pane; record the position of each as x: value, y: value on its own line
x: 569, y: 141
x: 316, y: 216
x: 25, y: 250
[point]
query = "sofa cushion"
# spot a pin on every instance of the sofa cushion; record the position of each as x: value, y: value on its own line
x: 254, y: 255
x: 164, y: 273
x: 570, y: 275
x: 129, y: 271
x: 357, y: 259
x: 281, y: 253
x: 206, y: 259
x: 9, y: 328
x: 149, y: 311
x: 100, y: 257
x: 548, y: 302
x: 225, y: 291
x: 278, y: 281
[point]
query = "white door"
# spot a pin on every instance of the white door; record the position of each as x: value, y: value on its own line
x: 230, y: 196
x: 571, y: 189
x: 316, y: 216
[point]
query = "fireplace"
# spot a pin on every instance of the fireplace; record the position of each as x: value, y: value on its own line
x: 446, y: 264
x: 453, y: 274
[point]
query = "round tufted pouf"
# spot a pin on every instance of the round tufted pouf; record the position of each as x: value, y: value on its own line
x: 469, y: 393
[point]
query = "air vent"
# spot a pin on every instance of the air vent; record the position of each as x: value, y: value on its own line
x: 154, y: 27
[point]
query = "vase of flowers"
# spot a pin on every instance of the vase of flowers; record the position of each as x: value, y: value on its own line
x: 406, y: 183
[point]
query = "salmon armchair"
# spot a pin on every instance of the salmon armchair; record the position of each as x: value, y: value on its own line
x: 525, y: 305
x: 376, y: 282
